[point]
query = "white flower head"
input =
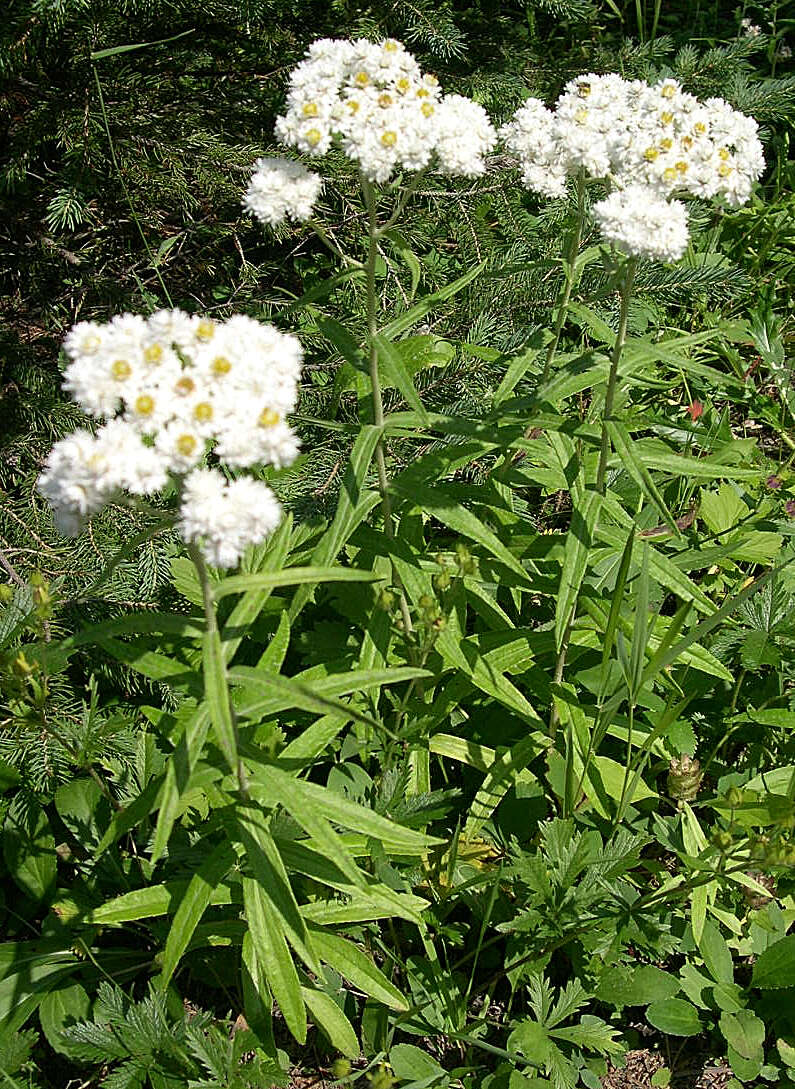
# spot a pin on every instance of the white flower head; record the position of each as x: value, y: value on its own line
x: 643, y: 224
x: 171, y: 388
x: 280, y: 189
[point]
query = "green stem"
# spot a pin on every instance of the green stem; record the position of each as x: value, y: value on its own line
x: 211, y: 624
x: 331, y: 245
x: 375, y: 380
x: 610, y: 395
x: 568, y: 286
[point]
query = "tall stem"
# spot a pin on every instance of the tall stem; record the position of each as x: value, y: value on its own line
x: 610, y: 395
x: 211, y: 630
x: 568, y: 286
x: 375, y: 380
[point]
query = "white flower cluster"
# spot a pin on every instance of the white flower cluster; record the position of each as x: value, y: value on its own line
x: 636, y: 220
x: 631, y: 133
x: 376, y: 103
x: 281, y: 189
x: 171, y: 386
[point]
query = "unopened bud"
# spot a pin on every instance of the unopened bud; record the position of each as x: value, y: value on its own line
x: 340, y: 1068
x: 723, y: 841
x: 442, y: 580
x: 734, y: 797
x: 6, y: 593
x: 684, y: 778
x: 386, y: 599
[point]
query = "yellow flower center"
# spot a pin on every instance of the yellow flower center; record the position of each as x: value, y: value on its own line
x: 583, y: 89
x: 90, y: 344
x: 724, y: 154
x: 681, y: 166
x: 145, y: 405
x: 666, y: 117
x: 403, y: 85
x: 221, y: 365
x: 666, y: 144
x: 361, y: 78
x: 687, y: 142
x: 153, y: 354
x: 650, y: 154
x: 390, y: 46
x: 353, y: 105
x: 384, y: 100
x: 432, y: 81
x: 121, y: 369
x: 203, y: 412
x: 422, y: 92
x: 724, y: 170
x: 668, y: 91
x: 389, y: 138
x: 313, y: 137
x: 699, y: 128
x: 669, y: 174
x: 186, y: 445
x: 309, y: 109
x: 185, y: 386
x: 205, y: 330
x: 427, y: 109
x: 581, y: 116
x: 268, y: 418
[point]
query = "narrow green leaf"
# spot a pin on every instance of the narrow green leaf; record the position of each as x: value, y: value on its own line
x: 217, y: 695
x: 292, y: 576
x: 398, y: 374
x: 624, y: 447
x: 575, y: 561
x: 274, y: 956
x: 403, y: 322
x: 115, y: 50
x: 355, y: 966
x: 193, y: 904
x: 333, y: 1021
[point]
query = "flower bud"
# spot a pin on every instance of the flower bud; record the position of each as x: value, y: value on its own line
x: 723, y: 840
x: 340, y: 1068
x: 684, y: 778
x: 6, y: 593
x: 734, y: 797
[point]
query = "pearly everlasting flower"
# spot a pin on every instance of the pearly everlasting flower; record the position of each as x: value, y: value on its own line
x: 374, y: 102
x: 171, y: 388
x: 642, y: 224
x: 749, y: 29
x: 464, y: 135
x: 281, y: 189
x: 225, y: 517
x: 632, y: 134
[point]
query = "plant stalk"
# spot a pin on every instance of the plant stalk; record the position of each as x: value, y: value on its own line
x: 211, y: 629
x: 375, y: 381
x: 568, y: 286
x: 610, y: 395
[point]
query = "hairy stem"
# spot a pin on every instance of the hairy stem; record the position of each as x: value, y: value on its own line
x: 375, y: 381
x: 211, y: 628
x: 610, y: 395
x: 568, y: 286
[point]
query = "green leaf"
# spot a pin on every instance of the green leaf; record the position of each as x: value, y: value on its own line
x: 274, y: 956
x: 716, y: 953
x: 29, y: 851
x: 744, y: 1032
x: 575, y: 561
x: 460, y: 519
x: 638, y: 985
x: 397, y: 373
x: 775, y: 967
x: 352, y: 964
x: 83, y: 808
x: 353, y: 506
x: 192, y: 906
x: 62, y: 1007
x: 217, y: 695
x: 9, y: 776
x: 333, y: 1021
x: 291, y: 576
x: 115, y: 50
x: 674, y: 1016
x: 501, y: 777
x: 410, y: 1063
x: 625, y: 448
x: 404, y: 321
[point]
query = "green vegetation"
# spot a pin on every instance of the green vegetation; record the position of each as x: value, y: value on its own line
x: 482, y: 765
